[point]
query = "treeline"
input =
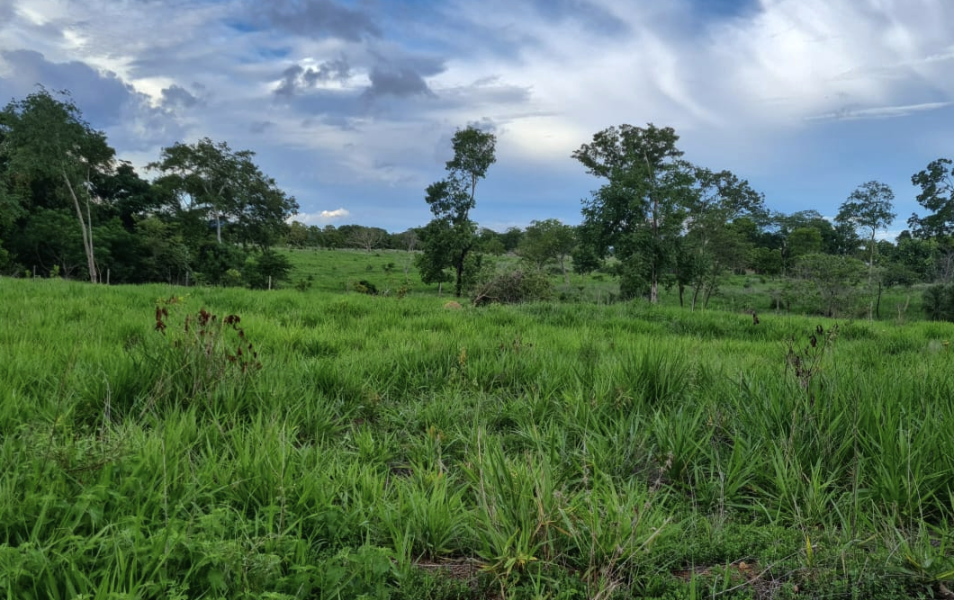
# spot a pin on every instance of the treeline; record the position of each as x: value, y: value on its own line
x: 69, y: 207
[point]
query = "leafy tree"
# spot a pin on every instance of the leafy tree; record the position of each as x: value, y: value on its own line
x: 299, y: 235
x: 937, y: 195
x: 511, y: 238
x: 868, y: 208
x: 547, y: 241
x: 490, y: 242
x: 49, y: 238
x: 585, y: 260
x: 226, y: 184
x: 834, y: 277
x: 165, y: 255
x: 451, y: 235
x: 719, y: 199
x: 48, y: 147
x: 268, y: 267
x: 802, y: 241
x: 331, y: 238
x: 640, y: 211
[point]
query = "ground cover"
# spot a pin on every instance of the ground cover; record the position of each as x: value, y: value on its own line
x: 392, y: 447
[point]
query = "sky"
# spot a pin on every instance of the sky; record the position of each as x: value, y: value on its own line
x: 351, y: 104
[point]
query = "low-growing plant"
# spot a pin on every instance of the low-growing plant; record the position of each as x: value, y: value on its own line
x: 200, y: 354
x: 513, y: 288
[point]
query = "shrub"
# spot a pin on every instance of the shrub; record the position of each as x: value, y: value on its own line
x: 366, y: 287
x: 268, y: 265
x: 512, y: 288
x: 938, y: 302
x: 231, y: 278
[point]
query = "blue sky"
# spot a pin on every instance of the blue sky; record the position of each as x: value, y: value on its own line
x: 351, y: 105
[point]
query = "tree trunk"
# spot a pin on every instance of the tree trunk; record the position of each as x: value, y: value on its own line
x: 218, y: 227
x: 878, y: 302
x: 654, y: 288
x: 682, y: 289
x: 87, y: 242
x: 459, y: 284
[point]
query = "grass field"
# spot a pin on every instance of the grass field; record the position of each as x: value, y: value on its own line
x: 380, y: 447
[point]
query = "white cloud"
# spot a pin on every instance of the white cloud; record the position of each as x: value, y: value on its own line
x: 321, y: 218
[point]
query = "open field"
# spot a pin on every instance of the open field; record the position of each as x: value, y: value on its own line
x: 394, y: 448
x: 338, y: 270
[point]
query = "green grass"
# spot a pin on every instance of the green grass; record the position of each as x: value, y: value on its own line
x: 394, y: 448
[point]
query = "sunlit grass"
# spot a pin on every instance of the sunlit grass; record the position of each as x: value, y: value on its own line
x: 566, y: 449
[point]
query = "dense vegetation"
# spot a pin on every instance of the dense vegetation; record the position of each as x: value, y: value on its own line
x: 332, y: 444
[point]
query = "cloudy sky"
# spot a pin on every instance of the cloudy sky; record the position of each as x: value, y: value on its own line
x: 351, y: 104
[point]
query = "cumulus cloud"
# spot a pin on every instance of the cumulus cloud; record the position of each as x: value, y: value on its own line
x: 323, y: 217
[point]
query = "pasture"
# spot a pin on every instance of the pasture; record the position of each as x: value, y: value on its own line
x: 384, y: 447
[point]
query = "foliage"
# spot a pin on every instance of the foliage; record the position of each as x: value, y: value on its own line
x: 267, y: 269
x: 938, y: 302
x: 512, y: 288
x: 451, y: 236
x: 639, y: 212
x: 46, y: 145
x: 212, y: 178
x: 834, y: 278
x: 937, y: 195
x: 547, y: 241
x: 869, y: 208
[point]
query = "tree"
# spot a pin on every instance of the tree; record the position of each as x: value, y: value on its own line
x: 451, y: 234
x: 368, y: 238
x: 46, y: 143
x: 640, y: 211
x: 719, y: 199
x: 937, y: 195
x: 835, y: 278
x: 511, y: 238
x: 868, y: 208
x: 299, y: 235
x: 224, y: 183
x: 547, y: 241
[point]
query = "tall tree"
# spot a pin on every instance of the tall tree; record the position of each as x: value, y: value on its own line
x: 639, y: 212
x: 719, y: 199
x: 226, y: 184
x: 451, y: 235
x: 46, y: 142
x: 869, y: 208
x: 937, y: 195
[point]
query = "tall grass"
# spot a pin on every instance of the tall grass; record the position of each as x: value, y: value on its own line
x: 570, y: 450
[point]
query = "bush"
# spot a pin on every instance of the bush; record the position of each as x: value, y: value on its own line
x: 267, y: 265
x: 366, y: 287
x: 512, y: 288
x: 215, y: 261
x: 938, y: 302
x: 231, y: 278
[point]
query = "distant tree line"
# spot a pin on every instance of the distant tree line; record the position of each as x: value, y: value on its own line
x: 70, y: 208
